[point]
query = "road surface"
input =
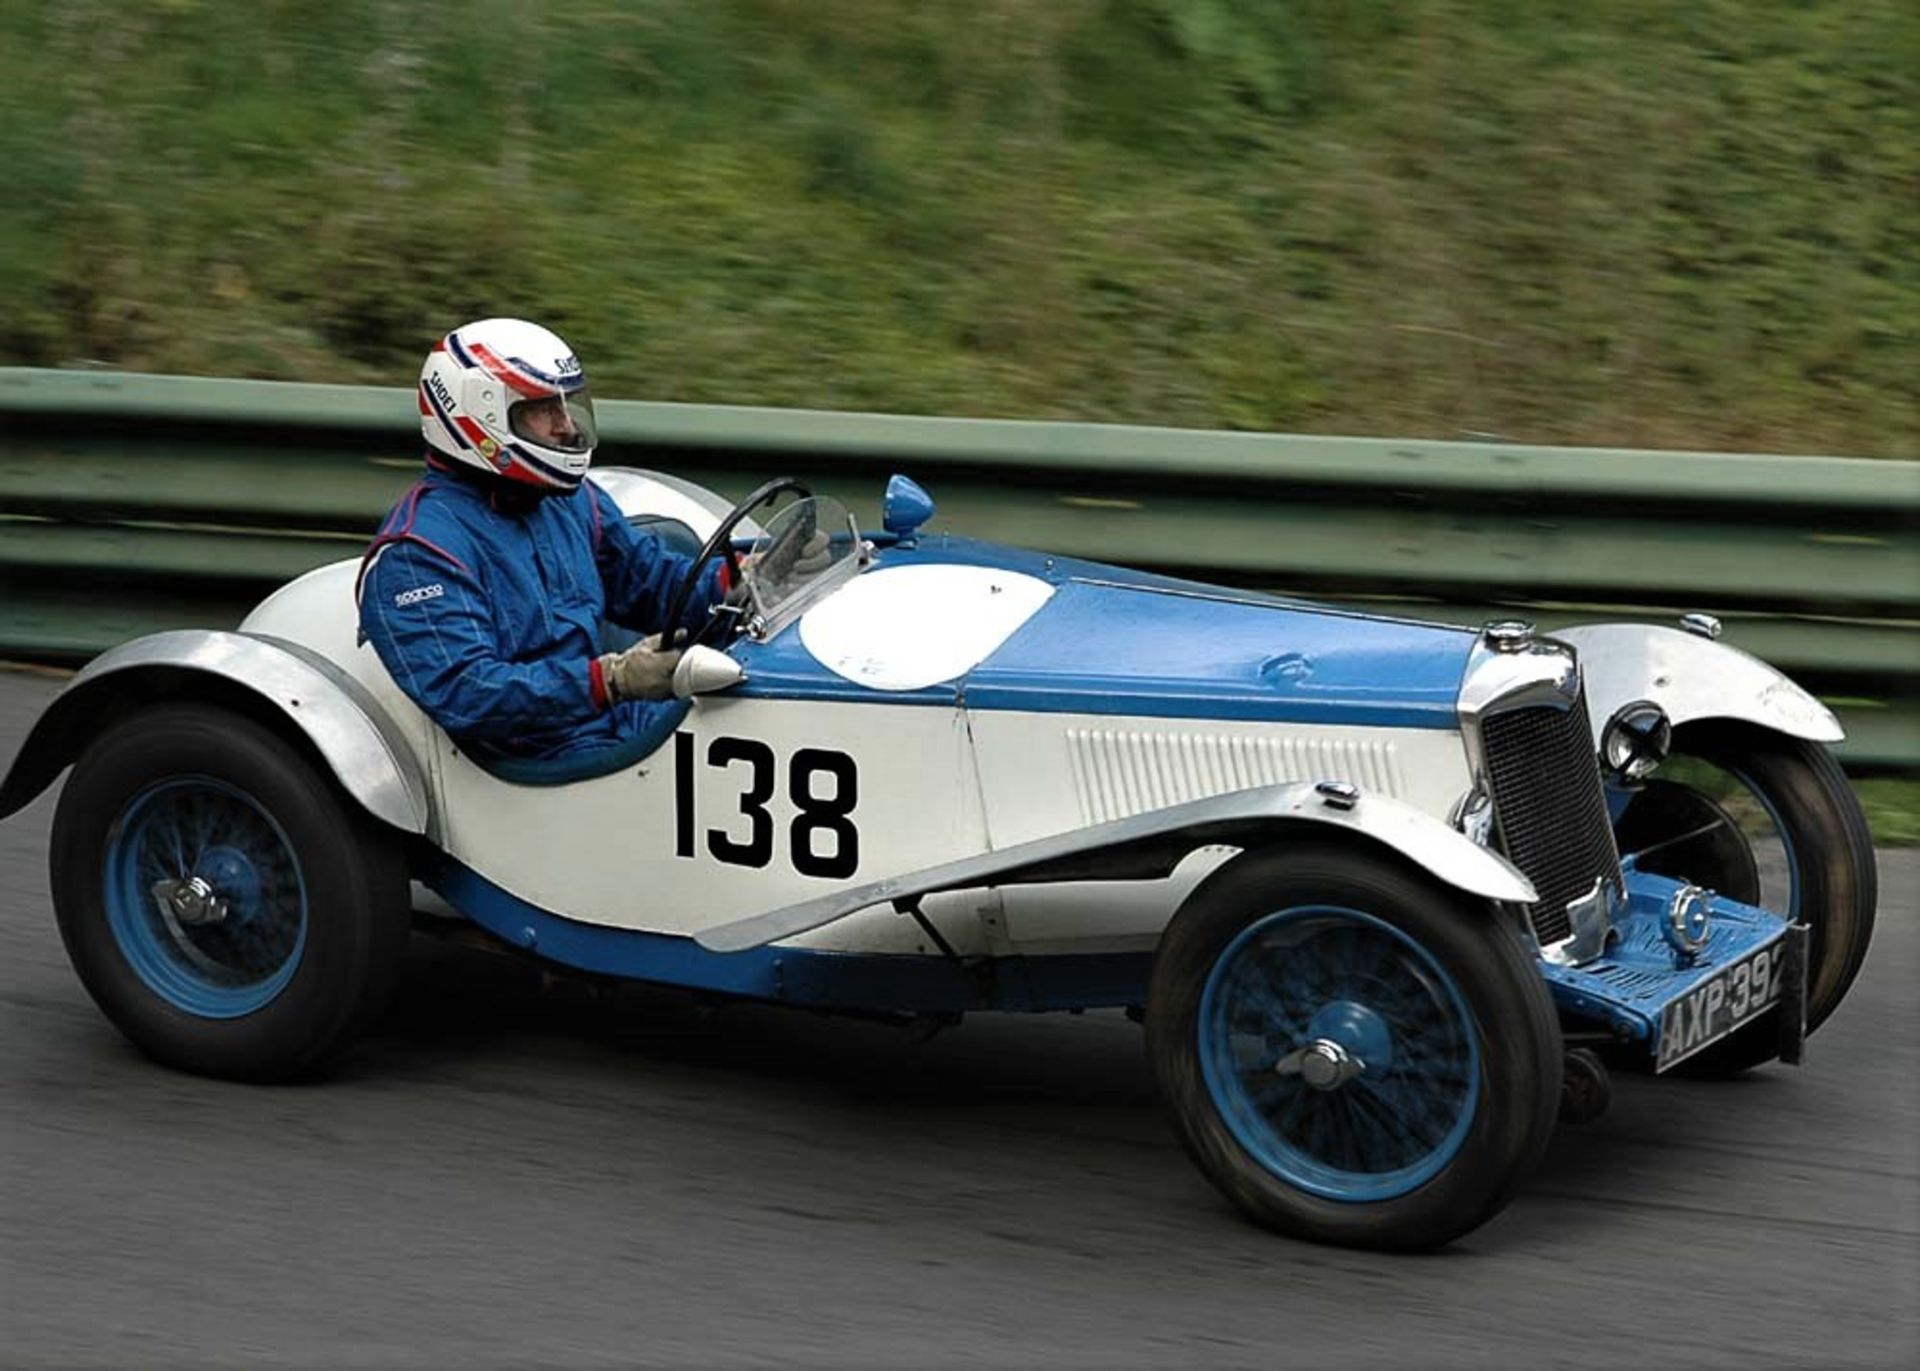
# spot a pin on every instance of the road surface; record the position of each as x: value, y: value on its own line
x: 515, y: 1174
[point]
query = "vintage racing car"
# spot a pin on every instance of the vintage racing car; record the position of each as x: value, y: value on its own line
x: 1386, y: 894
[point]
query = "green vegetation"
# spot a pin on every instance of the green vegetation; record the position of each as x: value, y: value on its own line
x: 1632, y: 223
x: 1893, y: 809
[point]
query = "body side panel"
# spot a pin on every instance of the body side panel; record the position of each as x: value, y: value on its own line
x: 711, y: 827
x: 1042, y: 774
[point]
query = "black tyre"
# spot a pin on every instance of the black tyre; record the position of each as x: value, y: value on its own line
x: 1351, y: 1052
x: 229, y: 911
x: 1767, y: 820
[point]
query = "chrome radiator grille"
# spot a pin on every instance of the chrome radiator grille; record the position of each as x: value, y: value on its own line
x: 1548, y: 809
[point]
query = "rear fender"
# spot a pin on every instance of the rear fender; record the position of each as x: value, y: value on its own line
x: 298, y: 688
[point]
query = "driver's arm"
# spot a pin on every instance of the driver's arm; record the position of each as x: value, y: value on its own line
x: 432, y: 624
x: 640, y: 574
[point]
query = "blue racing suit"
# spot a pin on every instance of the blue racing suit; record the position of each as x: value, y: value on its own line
x: 486, y: 611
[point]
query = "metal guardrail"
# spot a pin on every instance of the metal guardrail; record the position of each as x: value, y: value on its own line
x: 131, y: 502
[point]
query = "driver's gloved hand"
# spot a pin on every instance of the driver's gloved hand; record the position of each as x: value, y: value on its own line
x: 797, y: 556
x: 643, y: 672
x: 815, y: 555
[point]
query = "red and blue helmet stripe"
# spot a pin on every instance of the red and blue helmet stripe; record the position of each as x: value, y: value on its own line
x: 516, y: 373
x: 546, y: 471
x: 430, y: 404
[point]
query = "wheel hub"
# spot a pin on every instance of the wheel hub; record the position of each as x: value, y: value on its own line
x: 192, y: 903
x: 234, y: 878
x: 1346, y: 1039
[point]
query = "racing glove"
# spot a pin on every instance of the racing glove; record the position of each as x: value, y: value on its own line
x: 816, y: 555
x: 797, y: 555
x: 643, y: 672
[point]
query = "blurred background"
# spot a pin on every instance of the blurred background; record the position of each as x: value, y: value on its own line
x: 1631, y: 224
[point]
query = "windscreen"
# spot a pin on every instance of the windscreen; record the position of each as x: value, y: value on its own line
x: 807, y: 547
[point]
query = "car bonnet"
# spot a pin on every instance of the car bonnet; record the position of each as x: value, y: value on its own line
x: 1113, y: 641
x: 1153, y: 649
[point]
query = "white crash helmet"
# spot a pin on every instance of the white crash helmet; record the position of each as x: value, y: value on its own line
x: 508, y: 398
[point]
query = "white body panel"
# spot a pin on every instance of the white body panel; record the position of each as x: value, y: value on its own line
x: 647, y: 492
x: 317, y: 611
x: 604, y: 850
x: 1042, y: 774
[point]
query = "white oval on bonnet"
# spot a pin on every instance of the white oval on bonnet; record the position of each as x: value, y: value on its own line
x: 906, y: 628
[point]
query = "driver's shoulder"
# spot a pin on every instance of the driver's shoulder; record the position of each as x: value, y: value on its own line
x: 442, y: 524
x: 587, y: 511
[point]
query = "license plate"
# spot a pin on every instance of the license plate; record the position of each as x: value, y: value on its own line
x: 1719, y: 1005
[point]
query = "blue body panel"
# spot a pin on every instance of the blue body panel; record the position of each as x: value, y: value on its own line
x: 1630, y: 988
x: 1119, y: 642
x: 1106, y: 649
x: 852, y: 982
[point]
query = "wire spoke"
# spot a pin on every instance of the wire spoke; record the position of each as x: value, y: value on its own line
x: 1390, y: 1121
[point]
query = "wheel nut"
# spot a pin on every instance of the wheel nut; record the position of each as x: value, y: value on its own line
x: 1323, y: 1064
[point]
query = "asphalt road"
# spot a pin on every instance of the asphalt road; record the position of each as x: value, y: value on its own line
x: 512, y: 1174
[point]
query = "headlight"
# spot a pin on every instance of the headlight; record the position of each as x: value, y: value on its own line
x: 1636, y: 740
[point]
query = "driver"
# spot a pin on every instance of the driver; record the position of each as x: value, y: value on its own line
x: 484, y: 590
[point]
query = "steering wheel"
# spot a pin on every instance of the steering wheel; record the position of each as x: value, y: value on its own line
x: 720, y: 542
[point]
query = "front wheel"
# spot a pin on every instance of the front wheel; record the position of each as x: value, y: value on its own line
x: 222, y: 904
x: 1352, y: 1053
x: 1767, y: 820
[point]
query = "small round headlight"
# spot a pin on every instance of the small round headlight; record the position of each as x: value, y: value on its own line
x: 1636, y: 740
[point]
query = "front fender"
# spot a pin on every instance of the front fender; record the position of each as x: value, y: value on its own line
x: 1691, y: 678
x: 366, y: 753
x: 1149, y: 846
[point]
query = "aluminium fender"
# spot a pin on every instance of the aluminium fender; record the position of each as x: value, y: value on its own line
x: 1691, y: 678
x: 1149, y: 846
x: 366, y: 752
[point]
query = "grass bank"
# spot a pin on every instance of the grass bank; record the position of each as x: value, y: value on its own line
x: 1632, y: 223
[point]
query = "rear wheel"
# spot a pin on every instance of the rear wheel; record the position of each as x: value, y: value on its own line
x: 1768, y: 820
x: 221, y: 903
x: 1352, y: 1053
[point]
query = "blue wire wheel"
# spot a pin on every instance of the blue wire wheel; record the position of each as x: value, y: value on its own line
x: 204, y: 897
x: 1339, y: 1052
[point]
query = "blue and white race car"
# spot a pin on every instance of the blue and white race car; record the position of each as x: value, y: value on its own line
x: 1386, y: 894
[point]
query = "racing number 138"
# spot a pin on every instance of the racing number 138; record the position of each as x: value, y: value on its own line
x: 823, y: 786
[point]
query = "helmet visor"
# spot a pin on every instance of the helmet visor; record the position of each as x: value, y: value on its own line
x: 562, y: 423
